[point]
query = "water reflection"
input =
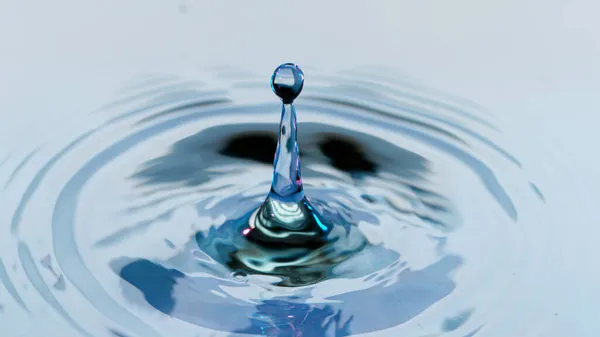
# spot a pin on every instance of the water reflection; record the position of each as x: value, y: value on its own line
x: 431, y: 191
x: 192, y: 285
x: 202, y: 300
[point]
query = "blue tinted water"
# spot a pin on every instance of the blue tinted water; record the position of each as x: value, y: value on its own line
x: 166, y: 213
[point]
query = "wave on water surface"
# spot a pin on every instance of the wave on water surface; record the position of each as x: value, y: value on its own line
x: 135, y: 217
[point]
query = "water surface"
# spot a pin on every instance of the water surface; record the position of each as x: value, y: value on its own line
x: 124, y: 226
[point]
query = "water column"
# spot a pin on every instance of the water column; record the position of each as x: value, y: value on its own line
x: 286, y: 218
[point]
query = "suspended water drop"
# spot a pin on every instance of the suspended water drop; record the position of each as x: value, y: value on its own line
x: 286, y: 236
x: 286, y: 217
x: 287, y: 82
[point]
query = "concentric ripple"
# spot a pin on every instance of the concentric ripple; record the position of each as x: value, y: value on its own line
x: 125, y: 226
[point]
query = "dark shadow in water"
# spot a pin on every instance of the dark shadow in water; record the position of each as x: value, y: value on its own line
x: 343, y: 153
x: 258, y: 147
x: 351, y: 152
x: 191, y: 161
x: 346, y: 155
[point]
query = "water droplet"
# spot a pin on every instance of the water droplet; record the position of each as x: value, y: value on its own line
x: 287, y: 217
x: 287, y: 82
x: 239, y: 276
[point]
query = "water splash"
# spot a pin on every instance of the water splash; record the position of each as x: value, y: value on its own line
x: 287, y: 237
x: 286, y: 217
x: 417, y: 195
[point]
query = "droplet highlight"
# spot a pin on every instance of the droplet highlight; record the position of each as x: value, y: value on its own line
x: 286, y: 217
x: 287, y: 82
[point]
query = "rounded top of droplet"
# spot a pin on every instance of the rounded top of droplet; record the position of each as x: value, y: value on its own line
x: 287, y: 82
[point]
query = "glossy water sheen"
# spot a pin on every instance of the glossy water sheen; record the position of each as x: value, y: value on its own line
x: 137, y: 223
x: 287, y: 180
x: 286, y: 236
